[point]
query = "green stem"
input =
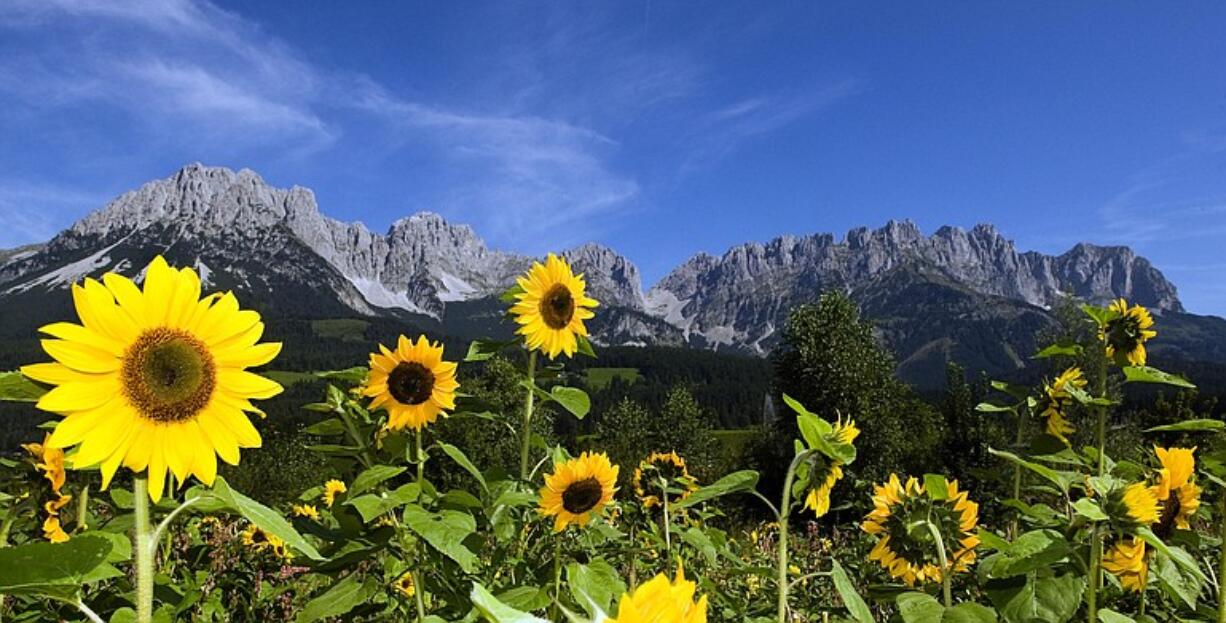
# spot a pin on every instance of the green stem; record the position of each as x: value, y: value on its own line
x: 668, y: 539
x: 1096, y: 543
x: 1221, y: 576
x: 367, y: 456
x: 421, y: 461
x: 527, y: 428
x: 634, y: 544
x: 785, y: 509
x: 165, y: 523
x: 6, y: 527
x: 144, y: 550
x: 88, y: 612
x: 557, y: 576
x: 946, y: 571
x: 83, y: 508
x: 1017, y: 469
x: 417, y: 596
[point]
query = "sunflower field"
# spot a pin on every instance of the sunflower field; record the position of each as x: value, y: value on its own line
x: 119, y: 513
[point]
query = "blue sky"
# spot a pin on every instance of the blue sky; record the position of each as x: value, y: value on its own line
x: 659, y: 128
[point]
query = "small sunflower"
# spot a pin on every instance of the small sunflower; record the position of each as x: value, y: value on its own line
x: 412, y: 383
x: 1056, y: 401
x: 670, y: 468
x: 154, y: 379
x: 260, y: 541
x: 333, y: 488
x: 405, y: 585
x: 49, y: 460
x: 1128, y: 560
x: 829, y: 472
x: 661, y: 601
x: 552, y: 306
x: 578, y: 488
x: 305, y: 510
x: 911, y: 555
x: 1126, y: 334
x: 1178, y: 497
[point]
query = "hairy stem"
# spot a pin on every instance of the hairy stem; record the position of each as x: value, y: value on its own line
x: 527, y: 428
x: 785, y: 510
x: 144, y: 550
x: 946, y: 571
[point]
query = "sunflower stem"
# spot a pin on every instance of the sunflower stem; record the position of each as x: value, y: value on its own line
x: 165, y: 523
x: 1096, y: 543
x: 417, y: 596
x: 785, y: 509
x: 417, y: 455
x: 88, y: 612
x: 557, y: 576
x: 946, y: 571
x: 668, y: 539
x: 1017, y: 469
x: 144, y: 550
x: 1221, y: 581
x: 527, y: 428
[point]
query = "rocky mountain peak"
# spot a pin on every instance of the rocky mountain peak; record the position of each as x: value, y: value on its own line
x: 609, y: 275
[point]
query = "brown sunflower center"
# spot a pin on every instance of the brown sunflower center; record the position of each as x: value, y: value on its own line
x: 1166, y: 519
x: 168, y: 375
x: 410, y: 383
x: 558, y: 307
x: 582, y: 496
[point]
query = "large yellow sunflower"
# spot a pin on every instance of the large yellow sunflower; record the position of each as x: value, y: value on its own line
x: 1126, y: 334
x: 412, y: 383
x: 552, y: 307
x: 1127, y: 559
x: 578, y: 488
x: 1178, y: 497
x: 1056, y: 401
x: 829, y: 472
x: 661, y: 601
x: 911, y: 555
x: 154, y: 379
x: 666, y: 466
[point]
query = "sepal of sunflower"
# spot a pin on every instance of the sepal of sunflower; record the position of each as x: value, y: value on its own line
x: 905, y: 547
x: 550, y: 306
x: 412, y: 383
x: 1125, y: 332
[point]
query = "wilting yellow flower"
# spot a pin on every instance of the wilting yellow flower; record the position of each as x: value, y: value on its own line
x: 910, y: 556
x: 305, y: 510
x: 49, y: 460
x: 668, y: 466
x: 412, y: 383
x: 1127, y: 559
x: 333, y: 488
x: 405, y: 584
x: 1056, y: 401
x: 552, y: 307
x: 578, y: 488
x: 52, y: 507
x: 154, y: 379
x: 661, y: 601
x: 1178, y: 497
x: 52, y: 531
x: 829, y: 473
x: 1126, y: 334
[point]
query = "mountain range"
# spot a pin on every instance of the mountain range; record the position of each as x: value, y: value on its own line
x: 968, y: 296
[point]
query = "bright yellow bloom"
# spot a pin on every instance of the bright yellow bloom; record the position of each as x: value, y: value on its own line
x: 1141, y: 504
x: 578, y: 488
x: 1178, y: 497
x: 668, y: 466
x: 1128, y: 561
x: 405, y: 584
x: 52, y: 531
x: 412, y: 383
x: 1126, y: 334
x: 552, y: 307
x: 1056, y: 401
x: 306, y: 510
x: 154, y: 379
x: 50, y: 460
x: 899, y: 550
x: 260, y: 540
x: 818, y: 499
x: 333, y: 488
x: 661, y: 601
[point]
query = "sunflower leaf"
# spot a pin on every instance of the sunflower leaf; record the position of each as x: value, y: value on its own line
x: 54, y: 570
x: 445, y: 531
x: 462, y: 460
x: 372, y: 477
x: 263, y: 517
x: 482, y: 350
x: 594, y: 585
x: 1059, y: 349
x: 736, y: 482
x: 15, y: 387
x: 342, y: 597
x: 495, y: 611
x: 1181, y: 557
x: 1189, y: 426
x: 1146, y: 374
x: 847, y: 591
x: 1063, y: 480
x: 573, y: 399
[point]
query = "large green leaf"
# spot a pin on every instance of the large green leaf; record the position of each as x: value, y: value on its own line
x: 371, y: 478
x: 462, y: 460
x: 495, y: 611
x: 1063, y: 480
x: 1060, y: 349
x: 969, y: 612
x: 594, y: 585
x: 1107, y: 615
x: 1146, y: 374
x: 1176, y: 554
x: 263, y: 517
x: 1189, y: 426
x: 372, y: 505
x: 52, y: 569
x: 919, y: 608
x: 445, y: 531
x: 736, y: 482
x: 847, y: 591
x: 17, y: 388
x: 1175, y: 580
x: 573, y: 399
x: 342, y: 597
x: 1032, y: 599
x: 1028, y: 552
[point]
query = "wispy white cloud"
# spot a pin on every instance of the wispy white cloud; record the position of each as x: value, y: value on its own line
x: 35, y: 212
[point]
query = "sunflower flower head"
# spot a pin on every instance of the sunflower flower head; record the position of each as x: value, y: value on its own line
x: 405, y: 585
x: 49, y: 460
x: 667, y: 470
x: 577, y: 489
x: 911, y: 554
x: 305, y: 510
x: 1178, y: 497
x: 1127, y: 559
x: 333, y: 488
x: 662, y: 601
x: 412, y: 383
x: 261, y: 541
x: 550, y: 307
x: 1125, y: 334
x: 1055, y: 402
x: 1132, y: 506
x: 154, y: 378
x: 825, y: 472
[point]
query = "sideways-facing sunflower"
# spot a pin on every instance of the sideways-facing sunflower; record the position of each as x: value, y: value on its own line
x: 825, y: 474
x: 1126, y: 334
x: 1178, y: 497
x: 667, y: 467
x: 154, y: 379
x: 412, y: 383
x: 911, y: 555
x: 1056, y: 400
x: 1127, y: 559
x: 333, y: 488
x: 661, y: 601
x: 578, y: 488
x: 1133, y: 506
x: 551, y: 307
x: 305, y: 510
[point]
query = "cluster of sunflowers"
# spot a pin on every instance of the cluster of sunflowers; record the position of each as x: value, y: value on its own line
x: 156, y: 379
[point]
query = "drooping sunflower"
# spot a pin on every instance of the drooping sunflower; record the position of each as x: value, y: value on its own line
x: 826, y: 473
x: 154, y: 379
x: 1127, y: 559
x: 405, y: 585
x: 578, y: 488
x: 50, y: 461
x: 412, y: 383
x: 1056, y: 400
x: 333, y: 488
x: 672, y: 470
x: 662, y: 601
x: 1178, y: 497
x: 552, y: 306
x: 911, y: 555
x: 305, y: 510
x: 1126, y: 334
